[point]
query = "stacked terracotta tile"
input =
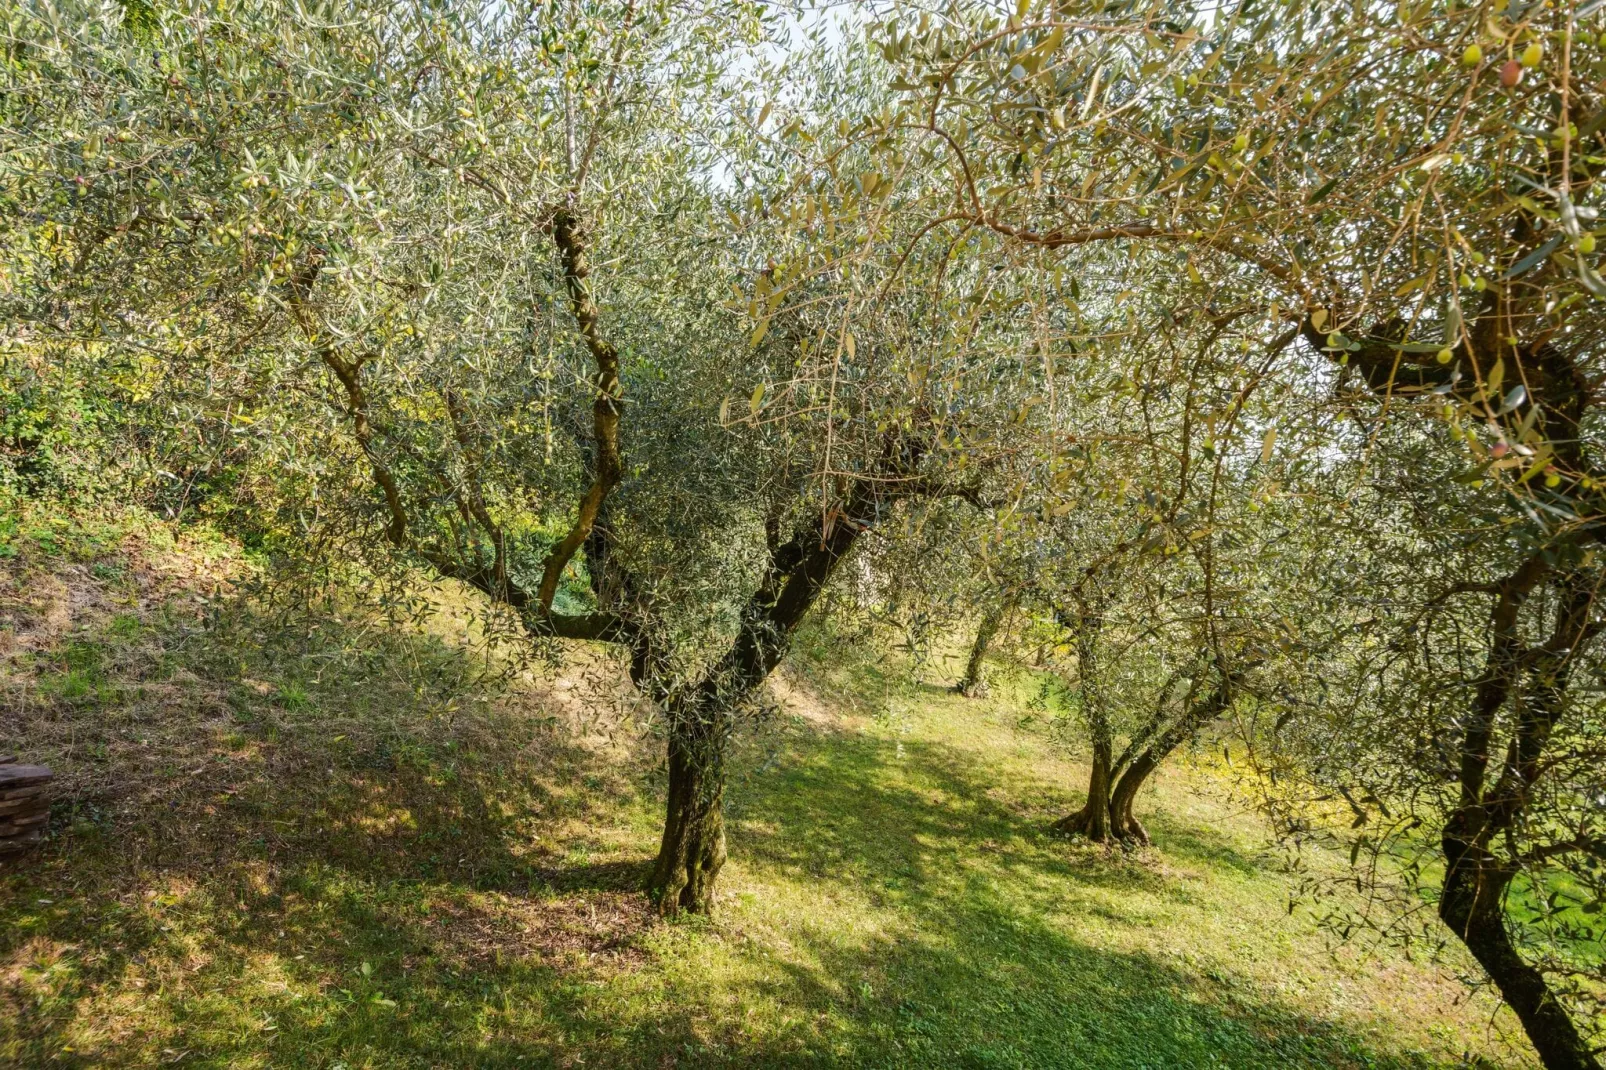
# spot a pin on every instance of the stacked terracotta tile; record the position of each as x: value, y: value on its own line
x: 24, y: 806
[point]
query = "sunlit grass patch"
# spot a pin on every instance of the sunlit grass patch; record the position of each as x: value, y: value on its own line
x: 353, y: 844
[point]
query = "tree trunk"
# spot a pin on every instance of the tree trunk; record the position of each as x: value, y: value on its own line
x: 1124, y: 825
x: 701, y: 717
x: 974, y: 683
x: 1093, y: 819
x: 1472, y: 902
x: 1471, y: 905
x: 693, y: 848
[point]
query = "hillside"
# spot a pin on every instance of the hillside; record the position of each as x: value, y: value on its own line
x: 326, y: 842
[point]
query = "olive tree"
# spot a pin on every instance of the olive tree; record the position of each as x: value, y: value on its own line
x: 498, y: 296
x: 1410, y: 189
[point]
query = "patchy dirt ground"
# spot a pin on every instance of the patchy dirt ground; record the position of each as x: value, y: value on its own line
x: 315, y: 839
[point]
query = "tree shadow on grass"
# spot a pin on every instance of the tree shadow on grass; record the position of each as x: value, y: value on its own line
x: 923, y: 808
x: 987, y: 970
x: 329, y: 869
x: 994, y: 987
x: 240, y: 805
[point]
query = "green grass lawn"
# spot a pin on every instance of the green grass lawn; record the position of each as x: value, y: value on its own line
x: 349, y: 846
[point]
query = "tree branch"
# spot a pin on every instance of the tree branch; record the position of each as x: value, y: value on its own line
x: 570, y: 239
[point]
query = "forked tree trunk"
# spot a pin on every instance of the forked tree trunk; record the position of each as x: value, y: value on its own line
x: 1124, y: 825
x: 1472, y: 902
x: 1137, y: 768
x: 1093, y: 819
x: 974, y: 682
x: 693, y: 848
x: 1472, y: 906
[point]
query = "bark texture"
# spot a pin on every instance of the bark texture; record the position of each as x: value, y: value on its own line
x: 1093, y: 819
x: 693, y: 848
x: 24, y: 806
x: 607, y: 463
x: 1124, y: 824
x: 1477, y: 876
x: 1472, y: 905
x: 701, y: 717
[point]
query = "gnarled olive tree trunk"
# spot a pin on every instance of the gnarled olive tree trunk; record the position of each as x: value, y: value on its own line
x: 701, y: 717
x: 1093, y: 819
x: 1114, y: 786
x: 1152, y: 747
x: 1477, y: 875
x: 1124, y: 824
x: 693, y: 848
x: 1472, y: 904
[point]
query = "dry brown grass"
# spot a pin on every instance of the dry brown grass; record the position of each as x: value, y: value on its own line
x: 319, y: 839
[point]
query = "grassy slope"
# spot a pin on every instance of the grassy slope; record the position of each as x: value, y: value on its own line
x: 332, y: 847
